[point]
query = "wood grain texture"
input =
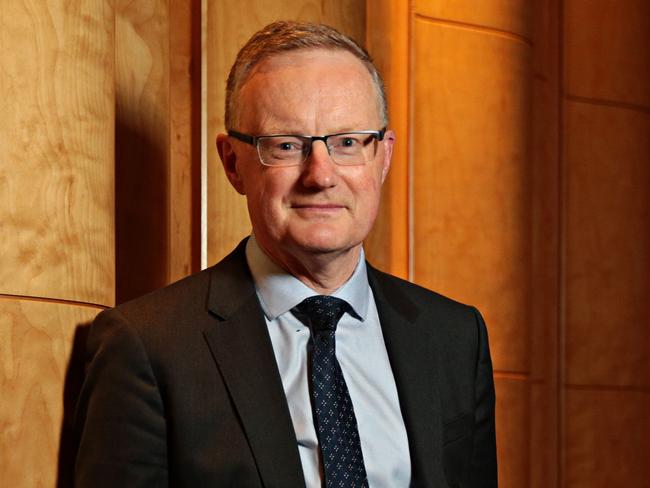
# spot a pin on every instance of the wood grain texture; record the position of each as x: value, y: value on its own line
x: 56, y: 150
x: 512, y: 16
x: 513, y: 430
x: 607, y: 245
x: 472, y: 200
x: 606, y: 50
x: 227, y: 31
x: 608, y: 439
x: 185, y: 137
x: 38, y: 387
x: 388, y: 42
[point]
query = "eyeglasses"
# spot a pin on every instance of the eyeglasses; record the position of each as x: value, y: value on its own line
x: 345, y: 148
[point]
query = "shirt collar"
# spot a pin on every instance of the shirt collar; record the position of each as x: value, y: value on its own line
x: 280, y: 291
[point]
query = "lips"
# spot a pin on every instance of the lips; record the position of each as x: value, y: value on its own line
x: 318, y: 209
x: 318, y: 206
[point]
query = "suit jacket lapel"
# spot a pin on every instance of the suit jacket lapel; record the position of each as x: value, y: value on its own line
x: 242, y: 349
x: 411, y: 350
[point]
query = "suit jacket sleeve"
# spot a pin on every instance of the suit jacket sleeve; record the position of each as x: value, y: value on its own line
x: 120, y: 417
x: 483, y: 464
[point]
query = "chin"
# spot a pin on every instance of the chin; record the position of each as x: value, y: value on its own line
x: 322, y: 237
x: 324, y: 243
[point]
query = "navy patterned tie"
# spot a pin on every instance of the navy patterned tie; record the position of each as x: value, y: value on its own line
x: 336, y: 424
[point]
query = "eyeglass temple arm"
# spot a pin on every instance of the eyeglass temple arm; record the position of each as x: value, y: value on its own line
x: 252, y: 140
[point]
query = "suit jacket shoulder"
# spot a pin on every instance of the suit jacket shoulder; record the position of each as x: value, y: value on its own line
x: 440, y: 357
x: 180, y: 386
x: 221, y: 289
x: 452, y: 323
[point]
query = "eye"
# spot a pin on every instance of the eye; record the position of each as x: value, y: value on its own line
x: 346, y: 141
x: 283, y: 144
x: 288, y: 146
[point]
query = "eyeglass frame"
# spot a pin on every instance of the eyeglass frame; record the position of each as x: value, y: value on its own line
x: 254, y: 140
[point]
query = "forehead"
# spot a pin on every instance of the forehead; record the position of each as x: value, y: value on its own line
x: 304, y: 84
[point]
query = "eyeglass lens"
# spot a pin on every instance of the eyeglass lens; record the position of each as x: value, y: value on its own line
x: 344, y: 149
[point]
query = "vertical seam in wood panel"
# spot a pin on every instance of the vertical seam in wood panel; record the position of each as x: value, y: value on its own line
x: 204, y: 137
x: 562, y: 257
x: 170, y: 221
x: 195, y: 134
x: 409, y: 150
x: 115, y: 196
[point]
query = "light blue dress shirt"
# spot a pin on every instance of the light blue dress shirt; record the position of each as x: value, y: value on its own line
x: 361, y: 352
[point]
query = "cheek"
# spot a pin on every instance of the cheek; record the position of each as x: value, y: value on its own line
x: 368, y: 191
x: 267, y: 199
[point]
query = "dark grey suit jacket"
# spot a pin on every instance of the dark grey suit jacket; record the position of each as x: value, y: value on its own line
x: 182, y: 388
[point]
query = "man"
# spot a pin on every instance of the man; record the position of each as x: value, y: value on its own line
x: 293, y: 362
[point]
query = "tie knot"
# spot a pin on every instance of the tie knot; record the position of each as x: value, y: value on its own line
x: 322, y: 312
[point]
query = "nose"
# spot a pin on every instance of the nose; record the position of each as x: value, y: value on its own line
x: 320, y: 170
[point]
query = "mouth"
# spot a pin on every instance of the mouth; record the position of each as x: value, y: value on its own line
x: 318, y: 208
x: 317, y: 205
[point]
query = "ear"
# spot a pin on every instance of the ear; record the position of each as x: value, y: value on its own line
x: 229, y: 162
x: 389, y: 141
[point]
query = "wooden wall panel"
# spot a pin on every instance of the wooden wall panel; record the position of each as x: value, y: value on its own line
x: 348, y: 16
x: 608, y: 439
x: 387, y: 246
x: 227, y: 31
x: 512, y: 16
x: 608, y: 245
x: 545, y: 224
x: 606, y: 212
x: 56, y: 147
x: 184, y: 211
x: 513, y: 427
x: 472, y: 191
x: 607, y: 46
x: 545, y: 188
x: 156, y: 151
x: 142, y: 146
x: 57, y: 252
x: 36, y: 345
x: 543, y: 452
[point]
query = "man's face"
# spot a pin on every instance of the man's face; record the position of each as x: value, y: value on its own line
x: 318, y: 207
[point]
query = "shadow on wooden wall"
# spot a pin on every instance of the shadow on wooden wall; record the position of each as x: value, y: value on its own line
x: 68, y: 440
x: 141, y: 202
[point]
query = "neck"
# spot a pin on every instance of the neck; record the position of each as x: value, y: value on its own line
x: 323, y: 272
